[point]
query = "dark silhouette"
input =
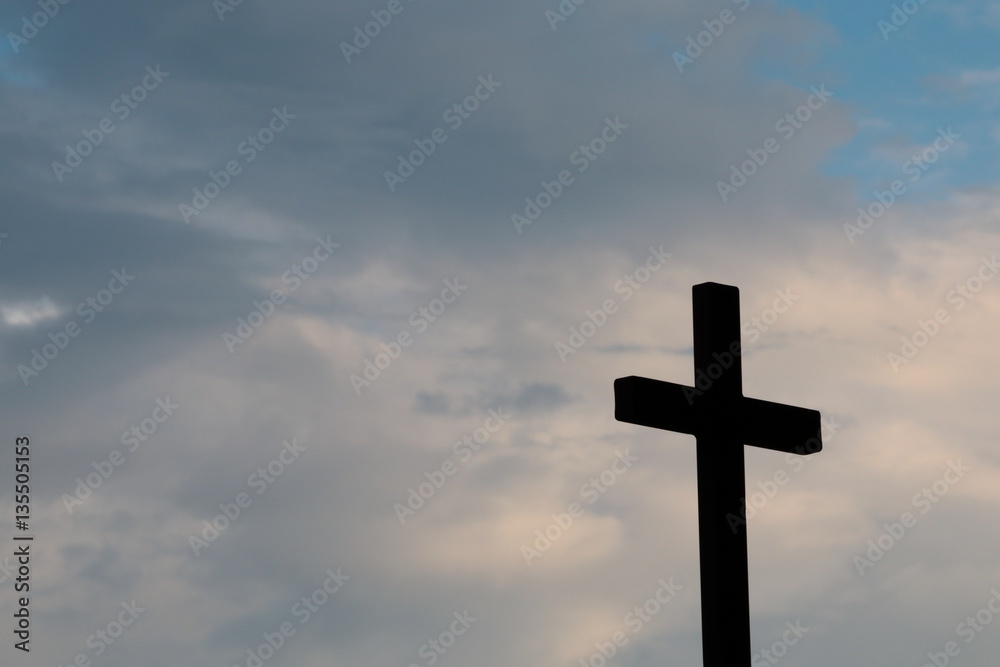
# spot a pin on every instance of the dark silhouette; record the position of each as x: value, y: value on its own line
x: 723, y: 420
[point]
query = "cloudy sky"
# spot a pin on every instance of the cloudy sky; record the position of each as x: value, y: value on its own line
x: 312, y: 312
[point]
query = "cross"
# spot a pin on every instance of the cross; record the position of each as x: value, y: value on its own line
x: 723, y: 420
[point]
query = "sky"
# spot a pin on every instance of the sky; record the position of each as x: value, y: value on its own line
x: 311, y: 313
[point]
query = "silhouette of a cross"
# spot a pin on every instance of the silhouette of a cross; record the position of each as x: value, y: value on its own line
x: 723, y: 420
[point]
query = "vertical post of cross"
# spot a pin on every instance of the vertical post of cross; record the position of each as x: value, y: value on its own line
x: 725, y: 599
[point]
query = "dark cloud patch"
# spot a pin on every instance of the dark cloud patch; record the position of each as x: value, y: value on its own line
x: 541, y: 397
x: 433, y: 403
